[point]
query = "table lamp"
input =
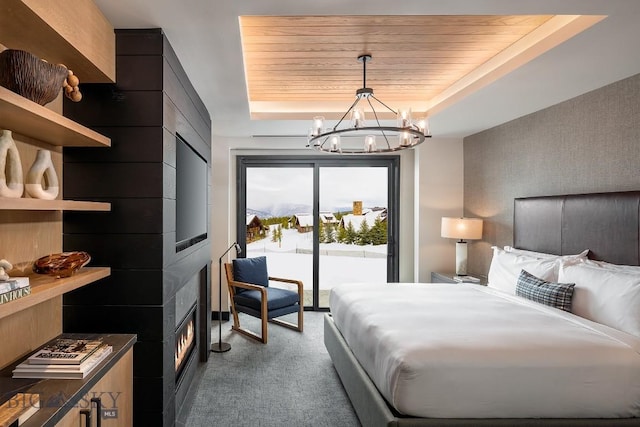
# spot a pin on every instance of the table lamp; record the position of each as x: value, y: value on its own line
x: 463, y: 229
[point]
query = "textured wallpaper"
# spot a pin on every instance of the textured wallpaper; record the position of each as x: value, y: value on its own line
x: 587, y: 144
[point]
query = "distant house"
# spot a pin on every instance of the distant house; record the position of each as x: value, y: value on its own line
x: 303, y: 222
x: 254, y: 228
x: 328, y: 218
x: 369, y: 215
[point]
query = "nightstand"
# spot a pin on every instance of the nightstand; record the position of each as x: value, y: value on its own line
x: 447, y: 277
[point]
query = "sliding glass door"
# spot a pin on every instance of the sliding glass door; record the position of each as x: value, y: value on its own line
x: 323, y: 221
x: 279, y: 221
x: 352, y: 227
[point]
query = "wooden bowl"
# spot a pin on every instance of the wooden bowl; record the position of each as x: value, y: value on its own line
x: 27, y: 75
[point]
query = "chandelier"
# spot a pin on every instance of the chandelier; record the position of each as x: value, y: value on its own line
x: 368, y: 139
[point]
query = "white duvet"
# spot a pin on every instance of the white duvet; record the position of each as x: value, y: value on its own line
x: 466, y: 351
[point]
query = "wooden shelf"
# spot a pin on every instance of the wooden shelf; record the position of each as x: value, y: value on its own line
x: 7, y: 203
x: 71, y: 32
x: 44, y: 288
x: 20, y: 115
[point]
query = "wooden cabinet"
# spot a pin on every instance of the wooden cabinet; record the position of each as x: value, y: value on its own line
x: 111, y: 399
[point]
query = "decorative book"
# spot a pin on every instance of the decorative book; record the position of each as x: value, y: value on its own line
x: 13, y: 283
x: 15, y: 294
x: 64, y: 351
x: 18, y: 409
x: 67, y: 372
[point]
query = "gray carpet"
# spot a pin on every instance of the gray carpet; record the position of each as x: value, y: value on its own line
x: 288, y: 382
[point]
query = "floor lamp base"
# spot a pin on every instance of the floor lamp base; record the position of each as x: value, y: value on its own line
x: 220, y: 347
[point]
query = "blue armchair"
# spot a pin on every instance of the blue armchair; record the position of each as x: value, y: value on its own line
x: 250, y: 293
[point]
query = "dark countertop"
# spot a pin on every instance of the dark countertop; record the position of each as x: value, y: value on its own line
x: 58, y: 396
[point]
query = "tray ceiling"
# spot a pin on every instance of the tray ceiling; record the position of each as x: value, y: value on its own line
x: 296, y: 66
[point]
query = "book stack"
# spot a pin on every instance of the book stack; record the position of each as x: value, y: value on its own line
x: 64, y: 358
x: 466, y: 279
x: 14, y: 288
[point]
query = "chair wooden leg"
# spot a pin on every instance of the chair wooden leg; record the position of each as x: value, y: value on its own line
x: 236, y: 320
x: 249, y: 334
x: 236, y: 327
x: 298, y: 327
x: 264, y: 316
x: 300, y: 318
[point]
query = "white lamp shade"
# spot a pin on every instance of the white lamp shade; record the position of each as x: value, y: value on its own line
x: 461, y: 228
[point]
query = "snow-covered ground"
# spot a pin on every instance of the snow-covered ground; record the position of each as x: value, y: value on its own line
x: 339, y: 262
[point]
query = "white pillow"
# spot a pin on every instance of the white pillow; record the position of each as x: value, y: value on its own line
x: 634, y: 269
x: 581, y: 255
x: 506, y: 266
x: 605, y: 295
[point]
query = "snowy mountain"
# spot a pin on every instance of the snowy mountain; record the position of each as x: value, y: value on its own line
x: 286, y: 209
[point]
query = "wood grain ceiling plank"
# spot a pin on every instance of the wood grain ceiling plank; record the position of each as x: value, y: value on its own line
x: 416, y: 30
x: 381, y: 62
x: 323, y: 39
x: 397, y: 74
x: 357, y: 48
x: 380, y: 20
x: 386, y: 69
x: 351, y: 56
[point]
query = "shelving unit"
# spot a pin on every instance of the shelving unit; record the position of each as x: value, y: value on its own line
x: 75, y: 33
x: 25, y: 117
x: 44, y: 288
x: 32, y: 228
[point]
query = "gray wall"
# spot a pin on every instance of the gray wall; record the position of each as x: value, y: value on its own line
x: 590, y: 143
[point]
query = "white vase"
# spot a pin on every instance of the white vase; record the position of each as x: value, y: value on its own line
x: 11, y: 182
x: 42, y: 168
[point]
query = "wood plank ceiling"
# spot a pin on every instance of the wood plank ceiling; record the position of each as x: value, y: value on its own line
x: 301, y: 63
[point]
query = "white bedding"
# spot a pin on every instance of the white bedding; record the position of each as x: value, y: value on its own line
x: 466, y: 351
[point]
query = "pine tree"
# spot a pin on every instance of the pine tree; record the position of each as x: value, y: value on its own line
x: 322, y: 237
x: 329, y: 234
x: 379, y: 232
x: 279, y: 234
x: 342, y: 235
x: 351, y: 234
x: 364, y: 235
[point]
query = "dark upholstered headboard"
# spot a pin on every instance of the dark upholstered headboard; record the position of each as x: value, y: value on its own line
x: 608, y: 224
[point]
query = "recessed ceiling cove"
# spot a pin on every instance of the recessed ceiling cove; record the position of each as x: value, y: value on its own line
x: 299, y: 66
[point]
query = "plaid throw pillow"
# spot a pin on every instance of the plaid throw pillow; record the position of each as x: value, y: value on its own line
x: 556, y: 295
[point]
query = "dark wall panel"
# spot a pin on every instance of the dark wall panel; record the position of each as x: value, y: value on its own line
x: 137, y: 287
x: 114, y: 180
x: 130, y: 215
x: 140, y: 42
x: 108, y: 105
x: 151, y: 102
x: 129, y: 144
x: 123, y: 251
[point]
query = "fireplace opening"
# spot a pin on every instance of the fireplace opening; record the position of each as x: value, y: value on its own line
x: 185, y: 341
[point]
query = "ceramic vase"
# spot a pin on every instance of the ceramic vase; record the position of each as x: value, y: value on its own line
x: 42, y: 168
x: 11, y: 181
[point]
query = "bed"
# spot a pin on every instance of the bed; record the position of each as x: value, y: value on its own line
x: 577, y: 370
